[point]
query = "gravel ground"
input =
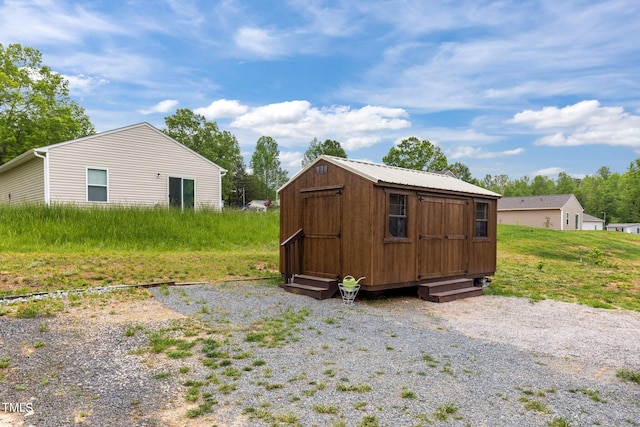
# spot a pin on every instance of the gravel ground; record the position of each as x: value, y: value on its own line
x: 401, y: 361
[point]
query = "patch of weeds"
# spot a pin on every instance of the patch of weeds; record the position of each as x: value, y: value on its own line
x: 130, y: 330
x: 259, y: 362
x: 43, y: 328
x: 591, y: 394
x: 369, y: 421
x: 407, y: 394
x: 277, y: 331
x: 184, y: 369
x: 227, y: 388
x: 432, y: 362
x: 38, y: 344
x: 330, y: 373
x: 558, y: 422
x: 270, y: 386
x: 161, y: 375
x: 203, y: 408
x: 534, y: 405
x: 445, y: 411
x: 232, y: 372
x: 326, y: 409
x: 164, y: 290
x: 628, y: 375
x: 4, y: 362
x: 243, y: 355
x: 33, y: 309
x: 179, y: 354
x: 330, y: 321
x: 4, y: 311
x: 360, y: 405
x: 193, y: 394
x: 357, y: 388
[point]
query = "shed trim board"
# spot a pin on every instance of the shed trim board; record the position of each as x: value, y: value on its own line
x: 394, y: 233
x: 139, y: 159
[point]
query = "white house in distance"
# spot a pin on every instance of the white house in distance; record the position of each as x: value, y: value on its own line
x: 557, y: 212
x: 625, y: 228
x: 136, y: 165
x: 590, y: 222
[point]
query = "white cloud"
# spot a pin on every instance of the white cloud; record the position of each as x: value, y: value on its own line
x: 83, y: 83
x: 554, y: 171
x: 161, y: 107
x: 299, y: 121
x: 260, y: 42
x: 222, y: 108
x: 479, y: 153
x: 584, y: 123
x: 291, y: 160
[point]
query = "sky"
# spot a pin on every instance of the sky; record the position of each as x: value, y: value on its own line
x: 511, y: 87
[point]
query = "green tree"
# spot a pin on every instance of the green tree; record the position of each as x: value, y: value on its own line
x: 317, y: 148
x: 565, y: 184
x: 412, y: 153
x: 35, y: 108
x: 266, y: 166
x: 630, y: 195
x: 463, y: 172
x: 204, y: 137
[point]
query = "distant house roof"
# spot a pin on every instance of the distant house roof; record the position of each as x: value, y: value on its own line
x: 589, y: 218
x: 380, y: 173
x: 534, y: 202
x: 623, y: 225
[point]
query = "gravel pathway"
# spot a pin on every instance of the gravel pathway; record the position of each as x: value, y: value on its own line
x: 487, y: 361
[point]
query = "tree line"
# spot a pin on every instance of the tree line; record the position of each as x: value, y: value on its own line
x: 36, y: 110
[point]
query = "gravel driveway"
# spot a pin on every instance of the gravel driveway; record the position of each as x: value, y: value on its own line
x: 401, y: 361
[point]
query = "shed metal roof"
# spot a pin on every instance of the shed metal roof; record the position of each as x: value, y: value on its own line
x: 556, y: 201
x: 384, y: 174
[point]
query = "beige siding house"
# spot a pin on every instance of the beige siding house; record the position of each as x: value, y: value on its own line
x: 135, y: 165
x: 557, y: 212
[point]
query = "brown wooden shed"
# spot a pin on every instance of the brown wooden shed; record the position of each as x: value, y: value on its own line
x: 396, y: 227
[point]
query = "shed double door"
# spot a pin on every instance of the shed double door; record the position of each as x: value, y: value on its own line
x: 321, y: 222
x: 442, y: 237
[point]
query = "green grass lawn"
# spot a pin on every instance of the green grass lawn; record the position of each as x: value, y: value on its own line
x: 62, y: 247
x: 596, y: 268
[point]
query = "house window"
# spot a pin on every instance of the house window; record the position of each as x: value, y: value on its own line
x: 482, y: 220
x: 182, y: 192
x: 397, y: 215
x: 97, y: 185
x: 567, y: 218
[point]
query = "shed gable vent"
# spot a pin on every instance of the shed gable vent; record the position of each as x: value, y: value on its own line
x: 322, y: 169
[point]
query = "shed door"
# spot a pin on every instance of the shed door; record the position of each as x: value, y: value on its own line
x: 321, y: 222
x: 442, y: 237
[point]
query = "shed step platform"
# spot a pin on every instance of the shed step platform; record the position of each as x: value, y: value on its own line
x: 315, y: 287
x: 449, y: 290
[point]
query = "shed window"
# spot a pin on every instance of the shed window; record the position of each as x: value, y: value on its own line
x: 397, y: 215
x: 97, y: 185
x: 482, y: 220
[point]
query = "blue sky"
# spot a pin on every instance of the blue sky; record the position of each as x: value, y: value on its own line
x: 511, y: 87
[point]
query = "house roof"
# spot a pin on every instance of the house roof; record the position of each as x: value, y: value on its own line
x: 590, y: 218
x: 384, y: 174
x: 623, y: 225
x: 556, y: 201
x: 39, y: 152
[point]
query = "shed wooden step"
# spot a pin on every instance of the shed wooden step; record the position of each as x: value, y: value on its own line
x: 316, y: 287
x: 452, y: 295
